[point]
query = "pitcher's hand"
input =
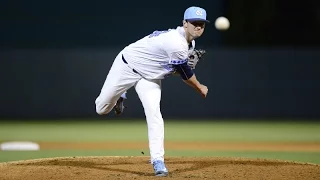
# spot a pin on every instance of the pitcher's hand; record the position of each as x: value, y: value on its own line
x: 203, y: 90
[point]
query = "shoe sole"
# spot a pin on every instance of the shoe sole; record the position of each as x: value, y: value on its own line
x: 162, y: 174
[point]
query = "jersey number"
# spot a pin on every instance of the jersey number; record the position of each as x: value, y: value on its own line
x: 157, y: 33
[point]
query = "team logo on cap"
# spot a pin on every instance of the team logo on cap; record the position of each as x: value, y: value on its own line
x: 199, y: 12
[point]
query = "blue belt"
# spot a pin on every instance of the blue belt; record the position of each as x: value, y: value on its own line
x: 124, y: 60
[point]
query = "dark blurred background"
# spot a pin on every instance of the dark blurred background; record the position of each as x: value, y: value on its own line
x: 55, y: 56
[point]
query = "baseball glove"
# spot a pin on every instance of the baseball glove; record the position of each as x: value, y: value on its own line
x: 194, y: 57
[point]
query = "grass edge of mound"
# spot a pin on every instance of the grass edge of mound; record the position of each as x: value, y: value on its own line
x: 168, y: 158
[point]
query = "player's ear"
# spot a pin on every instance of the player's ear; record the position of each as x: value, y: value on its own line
x: 184, y: 22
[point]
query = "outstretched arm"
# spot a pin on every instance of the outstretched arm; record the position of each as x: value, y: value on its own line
x: 193, y: 82
x: 189, y: 78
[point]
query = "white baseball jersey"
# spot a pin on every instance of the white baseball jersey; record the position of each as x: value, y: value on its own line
x: 154, y: 55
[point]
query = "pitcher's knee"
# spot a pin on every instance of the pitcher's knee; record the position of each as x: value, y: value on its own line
x: 100, y: 111
x: 103, y: 109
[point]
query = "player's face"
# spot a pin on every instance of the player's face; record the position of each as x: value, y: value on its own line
x: 196, y: 28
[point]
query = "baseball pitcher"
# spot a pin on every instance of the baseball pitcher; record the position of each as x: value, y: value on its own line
x: 143, y: 64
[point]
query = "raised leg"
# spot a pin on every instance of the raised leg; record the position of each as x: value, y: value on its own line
x: 119, y: 79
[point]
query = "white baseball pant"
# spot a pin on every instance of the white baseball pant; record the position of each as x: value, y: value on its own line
x: 121, y: 78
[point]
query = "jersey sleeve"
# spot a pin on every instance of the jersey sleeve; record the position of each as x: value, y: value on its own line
x: 178, y: 57
x: 176, y: 48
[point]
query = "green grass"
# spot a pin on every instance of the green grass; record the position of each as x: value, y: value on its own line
x: 98, y: 131
x: 95, y: 131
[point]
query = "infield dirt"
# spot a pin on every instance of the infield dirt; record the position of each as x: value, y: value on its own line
x: 138, y: 167
x: 102, y: 168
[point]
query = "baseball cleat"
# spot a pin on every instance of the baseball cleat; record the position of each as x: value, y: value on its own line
x: 160, y: 168
x: 119, y: 107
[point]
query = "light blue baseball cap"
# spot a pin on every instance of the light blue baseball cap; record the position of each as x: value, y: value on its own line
x: 194, y: 13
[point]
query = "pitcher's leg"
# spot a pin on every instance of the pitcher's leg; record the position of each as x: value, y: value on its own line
x: 150, y: 95
x: 107, y: 100
x: 119, y: 79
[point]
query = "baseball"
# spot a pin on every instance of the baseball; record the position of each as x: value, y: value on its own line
x: 222, y: 23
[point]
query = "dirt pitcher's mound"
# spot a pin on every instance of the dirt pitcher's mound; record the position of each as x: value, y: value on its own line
x: 138, y: 168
